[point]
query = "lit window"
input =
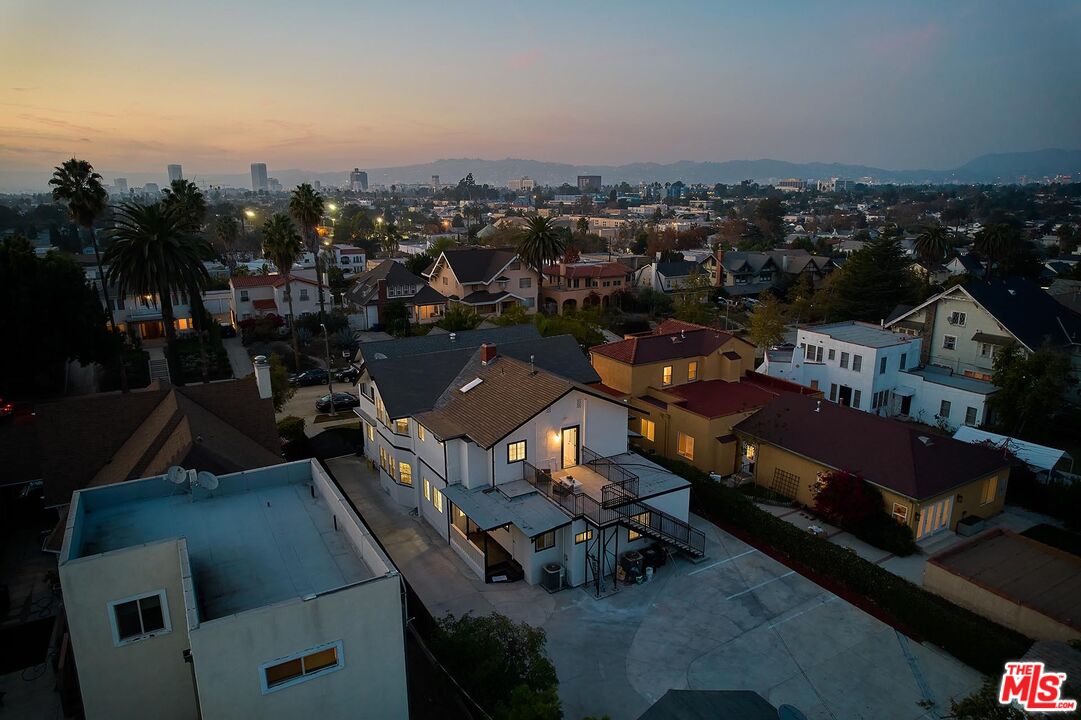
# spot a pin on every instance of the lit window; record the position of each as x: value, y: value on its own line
x: 405, y: 472
x: 303, y: 666
x: 692, y: 370
x: 582, y: 537
x: 140, y: 617
x: 427, y: 490
x: 641, y: 519
x: 900, y: 513
x: 401, y: 426
x: 666, y: 375
x: 371, y: 432
x: 648, y: 429
x: 420, y: 432
x: 516, y: 451
x: 438, y: 502
x: 546, y: 540
x: 685, y: 446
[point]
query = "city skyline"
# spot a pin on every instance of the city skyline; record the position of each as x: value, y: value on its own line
x: 899, y: 88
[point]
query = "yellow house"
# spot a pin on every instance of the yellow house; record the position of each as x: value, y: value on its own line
x: 686, y: 386
x: 489, y: 280
x: 929, y: 482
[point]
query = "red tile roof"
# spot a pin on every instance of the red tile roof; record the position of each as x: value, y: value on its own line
x: 672, y: 339
x: 271, y: 280
x: 609, y: 390
x: 589, y: 270
x: 893, y: 455
x: 719, y: 398
x: 264, y: 304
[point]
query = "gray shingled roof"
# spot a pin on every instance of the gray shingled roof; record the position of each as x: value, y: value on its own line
x: 422, y: 344
x: 477, y: 265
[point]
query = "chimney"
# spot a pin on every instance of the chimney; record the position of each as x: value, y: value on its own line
x: 262, y: 376
x: 718, y: 279
x: 487, y: 353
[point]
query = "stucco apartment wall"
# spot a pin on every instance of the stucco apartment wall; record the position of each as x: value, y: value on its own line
x: 118, y: 683
x: 228, y: 652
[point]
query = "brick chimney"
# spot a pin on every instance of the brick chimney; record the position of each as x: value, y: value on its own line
x: 487, y: 353
x: 718, y: 277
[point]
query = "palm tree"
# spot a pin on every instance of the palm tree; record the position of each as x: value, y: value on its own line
x: 189, y: 205
x: 997, y: 242
x: 306, y: 207
x: 388, y: 240
x: 932, y: 246
x: 75, y: 183
x: 151, y: 253
x: 282, y: 246
x: 227, y: 234
x: 541, y: 244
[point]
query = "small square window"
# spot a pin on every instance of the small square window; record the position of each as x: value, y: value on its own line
x: 438, y: 501
x: 857, y: 363
x: 140, y: 617
x: 303, y: 666
x: 516, y: 451
x: 405, y: 474
x: 844, y: 360
x: 949, y: 342
x: 545, y: 541
x: 900, y: 513
x: 401, y: 426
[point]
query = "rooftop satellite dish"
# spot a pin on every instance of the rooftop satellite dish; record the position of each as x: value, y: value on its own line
x: 176, y: 475
x: 206, y: 480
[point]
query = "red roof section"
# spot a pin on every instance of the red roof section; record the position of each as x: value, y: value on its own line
x: 672, y: 339
x: 588, y: 270
x: 609, y: 390
x: 271, y: 280
x: 719, y: 398
x: 264, y: 304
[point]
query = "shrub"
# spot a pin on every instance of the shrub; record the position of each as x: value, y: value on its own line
x: 977, y: 641
x: 280, y: 388
x: 852, y: 503
x: 291, y: 428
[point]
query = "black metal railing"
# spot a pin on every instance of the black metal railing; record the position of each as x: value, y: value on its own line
x: 574, y: 502
x: 622, y: 483
x: 650, y: 521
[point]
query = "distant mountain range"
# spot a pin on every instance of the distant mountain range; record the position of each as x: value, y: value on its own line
x: 992, y: 168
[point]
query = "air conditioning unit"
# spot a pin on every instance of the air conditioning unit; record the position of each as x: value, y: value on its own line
x: 552, y: 577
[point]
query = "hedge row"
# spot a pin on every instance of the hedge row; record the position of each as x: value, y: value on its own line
x: 976, y: 641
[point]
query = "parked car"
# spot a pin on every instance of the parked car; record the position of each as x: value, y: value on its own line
x: 7, y: 409
x: 750, y: 303
x: 317, y: 376
x: 342, y: 401
x: 350, y: 374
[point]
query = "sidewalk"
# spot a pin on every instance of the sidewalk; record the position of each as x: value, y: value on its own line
x: 238, y: 357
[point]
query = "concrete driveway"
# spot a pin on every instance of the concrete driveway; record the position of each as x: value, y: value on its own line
x: 739, y: 620
x: 302, y: 404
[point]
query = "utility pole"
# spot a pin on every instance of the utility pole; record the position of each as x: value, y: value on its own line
x: 330, y: 370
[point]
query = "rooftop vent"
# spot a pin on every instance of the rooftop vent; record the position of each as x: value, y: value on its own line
x: 470, y: 385
x: 925, y: 440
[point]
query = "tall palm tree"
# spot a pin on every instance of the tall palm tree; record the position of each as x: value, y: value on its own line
x: 188, y: 203
x: 75, y: 183
x: 997, y: 243
x: 151, y: 253
x: 932, y: 246
x: 388, y: 239
x: 306, y: 207
x: 282, y: 246
x: 227, y: 234
x: 541, y: 244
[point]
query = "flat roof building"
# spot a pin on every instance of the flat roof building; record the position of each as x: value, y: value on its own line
x: 256, y: 594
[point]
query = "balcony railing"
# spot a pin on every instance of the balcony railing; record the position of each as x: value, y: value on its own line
x: 574, y: 502
x: 622, y: 483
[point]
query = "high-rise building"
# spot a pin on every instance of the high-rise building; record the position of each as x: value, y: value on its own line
x: 121, y: 185
x: 358, y: 180
x: 589, y: 183
x: 435, y: 182
x: 317, y: 185
x: 175, y: 173
x: 151, y: 189
x: 273, y: 185
x: 522, y: 184
x: 259, y: 177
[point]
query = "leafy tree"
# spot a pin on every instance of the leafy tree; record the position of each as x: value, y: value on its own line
x: 226, y: 238
x: 999, y: 243
x: 767, y: 322
x: 501, y: 664
x: 846, y: 499
x: 540, y: 245
x: 418, y: 263
x: 306, y: 207
x: 984, y: 705
x: 282, y: 246
x: 151, y: 253
x: 75, y: 183
x: 693, y: 295
x: 459, y: 317
x: 516, y: 315
x: 582, y: 225
x: 396, y: 318
x: 52, y: 287
x: 769, y: 217
x: 280, y: 389
x: 873, y: 281
x: 1030, y: 388
x: 188, y: 204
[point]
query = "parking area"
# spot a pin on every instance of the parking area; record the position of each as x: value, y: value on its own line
x: 738, y: 620
x: 302, y: 404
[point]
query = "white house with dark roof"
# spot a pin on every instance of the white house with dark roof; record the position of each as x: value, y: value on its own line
x: 489, y: 280
x: 390, y: 282
x: 511, y: 454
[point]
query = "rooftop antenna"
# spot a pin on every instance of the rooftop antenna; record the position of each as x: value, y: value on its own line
x: 818, y: 406
x: 531, y: 368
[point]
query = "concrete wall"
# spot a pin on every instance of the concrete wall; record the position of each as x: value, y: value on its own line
x: 927, y: 402
x: 366, y: 618
x: 994, y: 606
x: 637, y: 379
x: 124, y: 682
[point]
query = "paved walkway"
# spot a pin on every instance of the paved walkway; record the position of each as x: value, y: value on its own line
x: 738, y: 620
x: 238, y: 357
x: 910, y: 567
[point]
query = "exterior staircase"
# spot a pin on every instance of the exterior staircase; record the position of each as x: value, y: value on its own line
x: 159, y: 369
x: 664, y: 527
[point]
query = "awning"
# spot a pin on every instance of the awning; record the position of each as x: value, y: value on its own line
x: 264, y: 304
x: 520, y: 506
x: 1038, y: 457
x: 903, y: 391
x: 991, y: 339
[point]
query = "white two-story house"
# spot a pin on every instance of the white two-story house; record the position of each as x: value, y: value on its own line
x: 517, y: 461
x: 256, y: 296
x: 870, y: 368
x: 489, y: 280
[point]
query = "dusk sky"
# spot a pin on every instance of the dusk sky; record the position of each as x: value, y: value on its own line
x: 325, y: 86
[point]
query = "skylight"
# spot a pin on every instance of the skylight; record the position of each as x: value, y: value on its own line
x: 471, y: 384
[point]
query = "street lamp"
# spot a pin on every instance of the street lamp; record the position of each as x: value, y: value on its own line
x: 330, y: 370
